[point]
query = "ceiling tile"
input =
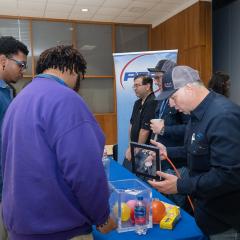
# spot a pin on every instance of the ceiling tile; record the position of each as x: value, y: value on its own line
x: 8, y: 5
x: 144, y: 5
x: 103, y: 18
x: 23, y: 5
x: 138, y: 11
x: 143, y: 21
x: 86, y: 3
x: 177, y: 2
x: 170, y: 10
x: 58, y: 7
x: 165, y: 6
x: 28, y: 13
x: 77, y: 10
x: 109, y: 11
x: 29, y: 1
x: 79, y: 17
x: 126, y: 13
x: 149, y: 16
x: 70, y: 2
x: 8, y: 2
x: 149, y: 1
x: 117, y: 4
x: 125, y: 19
x: 9, y: 11
x: 156, y: 13
x: 52, y: 14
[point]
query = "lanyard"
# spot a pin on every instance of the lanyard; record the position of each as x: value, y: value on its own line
x: 49, y: 76
x: 162, y: 108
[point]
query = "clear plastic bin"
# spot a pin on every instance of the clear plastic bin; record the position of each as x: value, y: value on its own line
x: 123, y: 196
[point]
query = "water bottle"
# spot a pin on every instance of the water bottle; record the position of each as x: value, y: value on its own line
x: 140, y: 217
x: 106, y: 163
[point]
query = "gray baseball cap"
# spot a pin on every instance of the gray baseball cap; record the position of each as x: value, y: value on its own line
x: 177, y: 78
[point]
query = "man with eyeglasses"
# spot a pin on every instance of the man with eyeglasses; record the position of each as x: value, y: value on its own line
x: 170, y: 131
x: 212, y: 149
x: 13, y: 57
x: 143, y: 112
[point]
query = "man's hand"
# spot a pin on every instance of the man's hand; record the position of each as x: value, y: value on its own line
x: 109, y: 226
x: 162, y: 148
x: 128, y: 155
x: 157, y: 126
x: 168, y: 185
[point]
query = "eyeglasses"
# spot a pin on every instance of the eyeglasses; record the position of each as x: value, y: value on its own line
x: 157, y: 77
x: 137, y: 85
x: 21, y: 64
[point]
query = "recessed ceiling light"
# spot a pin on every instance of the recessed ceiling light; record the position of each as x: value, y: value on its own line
x: 84, y: 9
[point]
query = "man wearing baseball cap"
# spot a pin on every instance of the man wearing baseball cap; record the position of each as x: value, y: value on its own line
x: 212, y: 148
x: 171, y: 130
x: 163, y: 66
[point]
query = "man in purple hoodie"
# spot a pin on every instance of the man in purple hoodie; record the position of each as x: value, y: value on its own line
x: 54, y: 183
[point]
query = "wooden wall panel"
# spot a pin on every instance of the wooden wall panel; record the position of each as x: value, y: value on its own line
x: 208, y: 35
x: 193, y: 25
x: 108, y: 123
x: 190, y: 32
x: 171, y: 33
x: 158, y: 40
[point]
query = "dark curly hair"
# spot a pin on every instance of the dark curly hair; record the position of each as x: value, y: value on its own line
x: 220, y: 83
x: 63, y: 58
x: 10, y: 46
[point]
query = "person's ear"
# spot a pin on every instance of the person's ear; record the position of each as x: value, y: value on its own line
x: 3, y: 60
x: 148, y: 86
x: 189, y: 87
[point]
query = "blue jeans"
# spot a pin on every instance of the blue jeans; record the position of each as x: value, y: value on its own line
x: 230, y: 234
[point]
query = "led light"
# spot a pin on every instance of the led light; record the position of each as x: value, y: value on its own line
x: 84, y: 10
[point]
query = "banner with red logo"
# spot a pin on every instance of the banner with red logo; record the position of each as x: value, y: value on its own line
x: 127, y: 66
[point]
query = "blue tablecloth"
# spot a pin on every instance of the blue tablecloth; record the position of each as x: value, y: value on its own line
x: 186, y: 228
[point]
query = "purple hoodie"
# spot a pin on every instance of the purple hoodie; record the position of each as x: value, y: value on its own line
x: 54, y: 182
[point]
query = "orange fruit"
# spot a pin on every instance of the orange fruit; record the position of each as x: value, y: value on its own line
x: 158, y: 211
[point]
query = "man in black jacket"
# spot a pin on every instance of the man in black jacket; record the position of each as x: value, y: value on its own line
x: 212, y: 149
x: 170, y: 130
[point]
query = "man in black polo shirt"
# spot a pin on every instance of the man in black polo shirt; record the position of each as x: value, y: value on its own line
x: 212, y: 148
x: 143, y: 112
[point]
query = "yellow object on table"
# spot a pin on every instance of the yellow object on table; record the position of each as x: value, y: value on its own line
x: 171, y: 218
